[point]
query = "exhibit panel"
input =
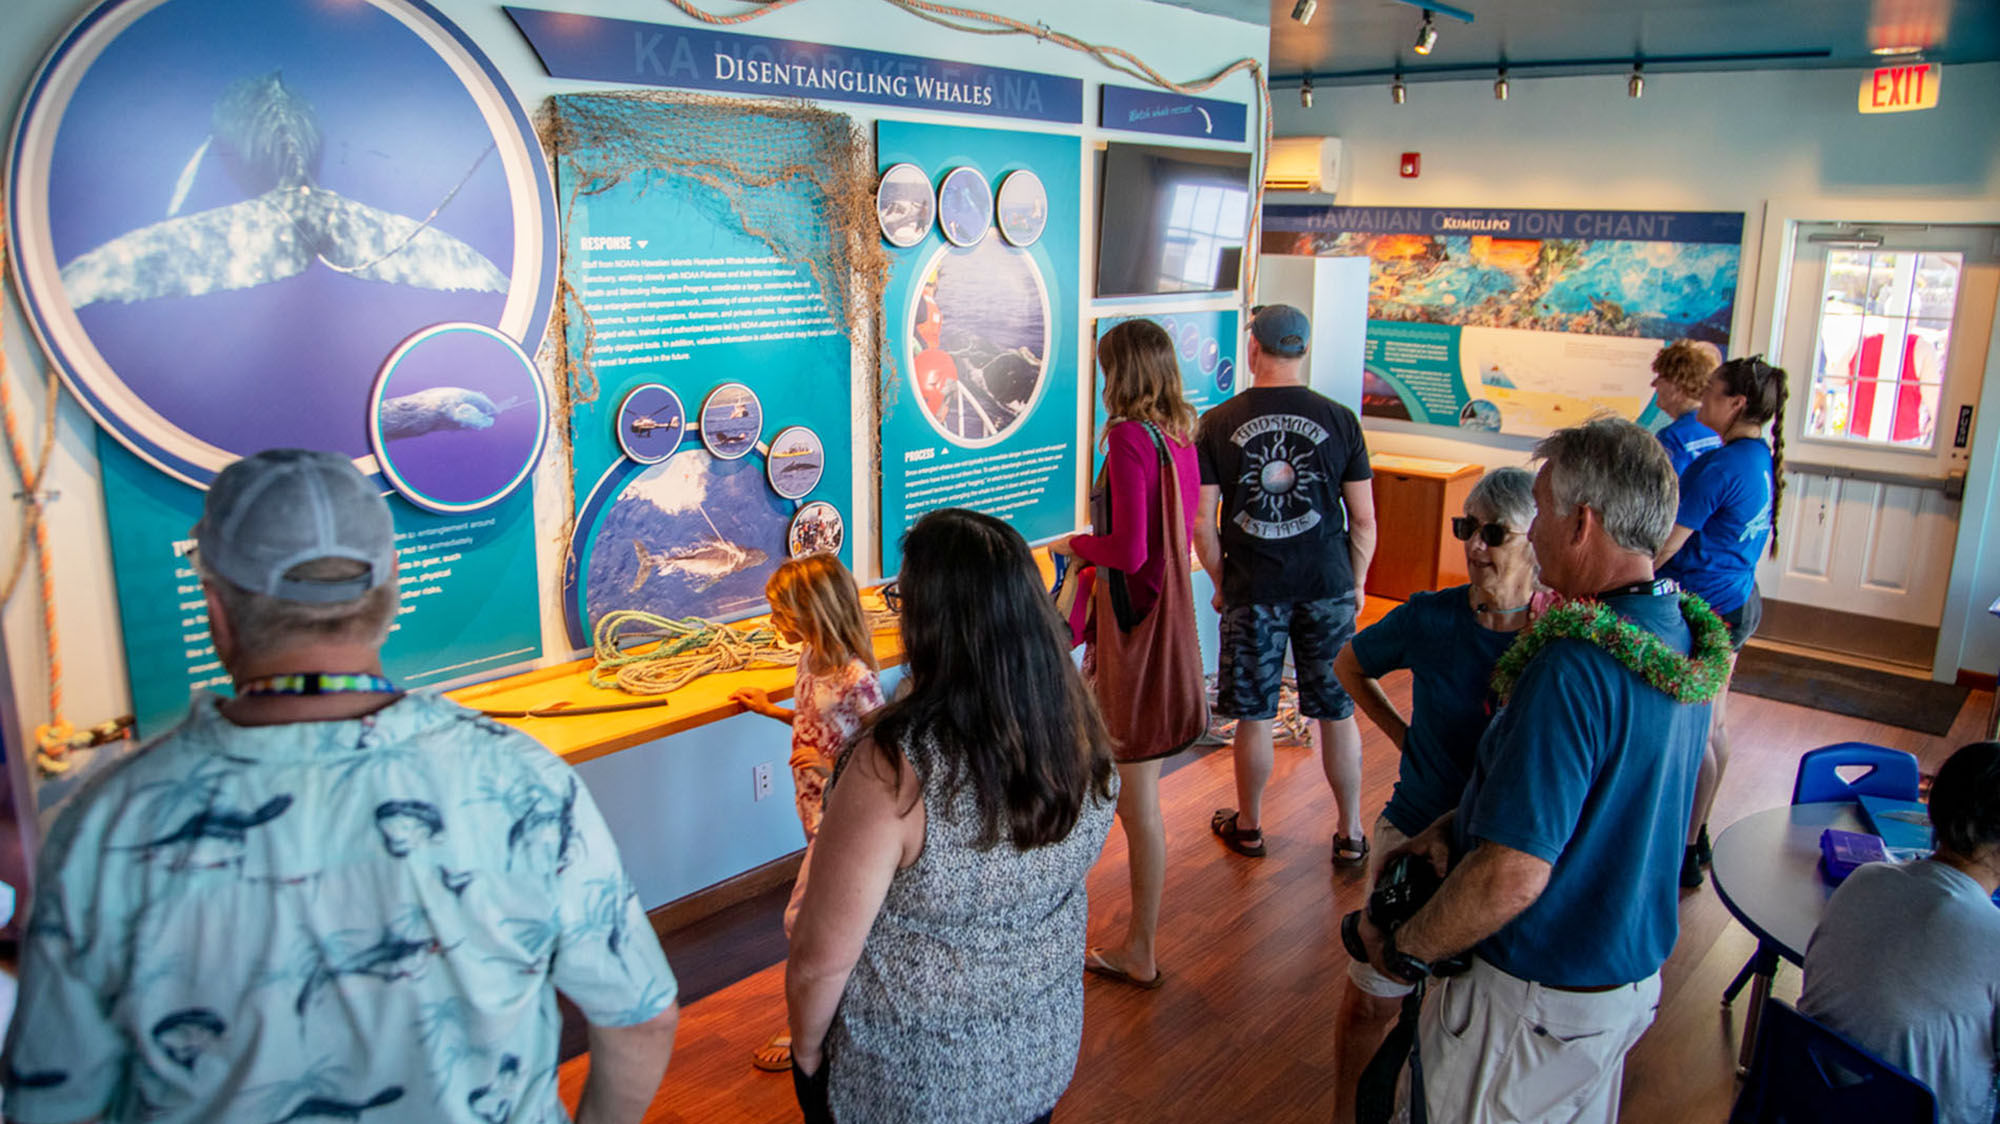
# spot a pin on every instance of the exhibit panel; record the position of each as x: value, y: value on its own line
x: 1205, y: 347
x: 265, y: 250
x: 1523, y: 321
x: 980, y: 396
x: 467, y: 584
x: 334, y: 227
x: 722, y: 253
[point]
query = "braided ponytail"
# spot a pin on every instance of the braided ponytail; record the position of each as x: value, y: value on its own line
x: 1764, y: 389
x: 1778, y: 455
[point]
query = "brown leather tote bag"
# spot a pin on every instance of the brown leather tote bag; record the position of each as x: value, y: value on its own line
x: 1149, y: 675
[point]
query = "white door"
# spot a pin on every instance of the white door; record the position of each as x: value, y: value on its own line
x: 1886, y: 345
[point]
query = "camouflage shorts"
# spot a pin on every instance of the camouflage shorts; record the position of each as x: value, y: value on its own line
x: 1252, y: 661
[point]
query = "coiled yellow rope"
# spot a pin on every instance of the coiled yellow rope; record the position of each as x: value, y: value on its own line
x: 685, y: 650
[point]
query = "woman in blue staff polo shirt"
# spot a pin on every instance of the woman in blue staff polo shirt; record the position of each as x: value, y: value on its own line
x: 1680, y: 377
x: 1728, y: 507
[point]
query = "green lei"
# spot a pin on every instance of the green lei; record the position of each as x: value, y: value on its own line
x: 1694, y: 678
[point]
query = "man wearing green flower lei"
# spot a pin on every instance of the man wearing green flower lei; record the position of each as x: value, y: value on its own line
x: 1564, y: 854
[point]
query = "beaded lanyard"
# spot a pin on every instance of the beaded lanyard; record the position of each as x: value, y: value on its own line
x: 316, y: 683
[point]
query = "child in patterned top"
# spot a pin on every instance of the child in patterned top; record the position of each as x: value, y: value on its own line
x: 815, y: 604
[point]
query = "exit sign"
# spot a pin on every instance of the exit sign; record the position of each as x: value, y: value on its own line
x: 1900, y: 89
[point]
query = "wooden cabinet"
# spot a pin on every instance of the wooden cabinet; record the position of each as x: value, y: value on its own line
x: 1415, y: 500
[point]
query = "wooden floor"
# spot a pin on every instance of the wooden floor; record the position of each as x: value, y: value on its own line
x: 1242, y: 1031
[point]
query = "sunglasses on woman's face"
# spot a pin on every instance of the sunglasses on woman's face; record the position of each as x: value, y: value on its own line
x: 1492, y: 534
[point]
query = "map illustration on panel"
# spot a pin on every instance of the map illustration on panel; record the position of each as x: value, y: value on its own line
x: 1659, y: 290
x: 1522, y: 321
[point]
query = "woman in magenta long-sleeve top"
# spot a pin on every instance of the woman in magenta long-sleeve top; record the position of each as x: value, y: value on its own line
x: 1148, y: 413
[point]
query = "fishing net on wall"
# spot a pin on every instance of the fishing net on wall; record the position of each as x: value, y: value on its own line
x: 798, y: 178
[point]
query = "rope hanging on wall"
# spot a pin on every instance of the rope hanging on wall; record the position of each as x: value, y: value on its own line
x: 55, y: 738
x: 975, y: 22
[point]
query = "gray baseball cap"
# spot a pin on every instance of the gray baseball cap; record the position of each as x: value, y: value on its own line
x: 272, y: 511
x: 1281, y: 330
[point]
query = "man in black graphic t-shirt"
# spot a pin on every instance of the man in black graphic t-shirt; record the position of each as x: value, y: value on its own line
x: 1286, y: 529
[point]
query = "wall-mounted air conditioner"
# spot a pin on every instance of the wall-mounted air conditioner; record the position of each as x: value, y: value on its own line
x: 1303, y: 164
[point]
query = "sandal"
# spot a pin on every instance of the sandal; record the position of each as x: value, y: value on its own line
x: 774, y: 1056
x: 1349, y: 852
x: 1249, y: 844
x: 1095, y: 963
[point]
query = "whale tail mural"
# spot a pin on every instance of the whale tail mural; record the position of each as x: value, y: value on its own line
x: 269, y: 139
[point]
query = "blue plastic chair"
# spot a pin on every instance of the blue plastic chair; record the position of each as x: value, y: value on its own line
x: 1894, y: 775
x: 1806, y: 1071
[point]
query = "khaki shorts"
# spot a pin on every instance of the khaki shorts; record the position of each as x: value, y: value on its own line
x: 1498, y: 1048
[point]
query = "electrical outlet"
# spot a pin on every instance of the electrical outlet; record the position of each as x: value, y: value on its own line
x: 761, y: 778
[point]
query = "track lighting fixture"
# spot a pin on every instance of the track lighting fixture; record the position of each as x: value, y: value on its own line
x: 1304, y: 9
x: 1500, y: 86
x: 1427, y: 36
x: 1397, y: 91
x: 1306, y: 93
x: 1635, y: 86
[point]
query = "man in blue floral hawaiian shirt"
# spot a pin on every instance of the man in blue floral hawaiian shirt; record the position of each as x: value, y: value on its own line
x: 322, y: 898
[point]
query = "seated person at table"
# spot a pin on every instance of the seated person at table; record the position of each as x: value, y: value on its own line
x: 1906, y: 961
x: 1449, y: 640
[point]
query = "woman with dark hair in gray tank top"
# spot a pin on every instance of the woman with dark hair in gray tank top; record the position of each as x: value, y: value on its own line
x: 934, y: 970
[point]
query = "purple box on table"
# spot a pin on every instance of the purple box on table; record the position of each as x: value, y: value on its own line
x: 1842, y: 852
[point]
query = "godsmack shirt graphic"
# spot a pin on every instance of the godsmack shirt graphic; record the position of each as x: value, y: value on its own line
x: 1280, y: 455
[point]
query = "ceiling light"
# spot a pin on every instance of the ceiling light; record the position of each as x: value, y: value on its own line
x: 1500, y: 86
x: 1895, y: 50
x: 1304, y: 9
x: 1635, y: 86
x: 1427, y: 36
x: 1306, y: 94
x: 1397, y: 91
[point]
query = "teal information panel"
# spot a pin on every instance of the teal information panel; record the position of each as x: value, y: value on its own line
x: 468, y: 590
x: 1204, y: 346
x: 720, y: 439
x: 982, y: 334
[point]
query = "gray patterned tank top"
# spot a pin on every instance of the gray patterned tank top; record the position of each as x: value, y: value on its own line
x: 967, y: 1002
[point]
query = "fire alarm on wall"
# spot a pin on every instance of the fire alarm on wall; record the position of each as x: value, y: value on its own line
x: 1413, y: 163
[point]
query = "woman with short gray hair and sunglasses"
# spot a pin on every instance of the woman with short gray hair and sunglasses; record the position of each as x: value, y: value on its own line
x: 1449, y: 640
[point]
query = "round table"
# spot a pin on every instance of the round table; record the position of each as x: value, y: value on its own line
x: 1767, y: 873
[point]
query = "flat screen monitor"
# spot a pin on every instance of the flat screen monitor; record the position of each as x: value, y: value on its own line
x: 1171, y: 220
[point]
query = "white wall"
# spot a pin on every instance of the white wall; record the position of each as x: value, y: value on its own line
x: 681, y: 808
x: 1709, y: 142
